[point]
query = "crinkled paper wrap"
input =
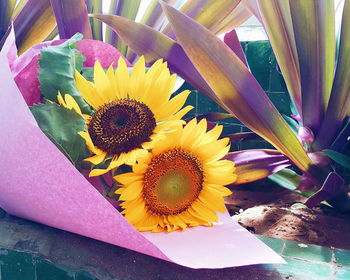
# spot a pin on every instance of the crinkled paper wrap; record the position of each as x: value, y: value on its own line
x: 37, y: 182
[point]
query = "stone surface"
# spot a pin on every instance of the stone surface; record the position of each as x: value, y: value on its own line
x: 33, y: 251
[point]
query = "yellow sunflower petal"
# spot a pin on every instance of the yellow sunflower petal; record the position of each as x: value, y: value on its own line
x: 72, y: 104
x: 137, y: 79
x: 96, y: 159
x: 98, y: 172
x: 132, y: 191
x: 122, y: 79
x: 88, y: 91
x: 85, y: 135
x: 127, y: 178
x: 212, y: 200
x: 103, y: 86
x: 173, y: 106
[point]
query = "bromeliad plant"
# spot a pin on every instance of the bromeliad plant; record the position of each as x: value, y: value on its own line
x: 302, y: 34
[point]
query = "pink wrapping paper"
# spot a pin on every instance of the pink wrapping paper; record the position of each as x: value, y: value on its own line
x: 37, y: 182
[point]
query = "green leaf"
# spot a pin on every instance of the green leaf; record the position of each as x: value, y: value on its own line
x: 56, y: 73
x: 339, y: 158
x: 61, y: 126
x: 293, y: 124
x: 286, y: 178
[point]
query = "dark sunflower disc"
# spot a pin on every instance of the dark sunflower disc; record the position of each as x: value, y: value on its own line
x: 121, y: 126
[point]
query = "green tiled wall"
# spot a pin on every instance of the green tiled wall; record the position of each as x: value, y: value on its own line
x: 307, y: 261
x: 15, y: 265
x: 304, y: 261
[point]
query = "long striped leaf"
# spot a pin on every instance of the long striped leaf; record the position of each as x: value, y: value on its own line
x: 52, y: 35
x: 95, y: 7
x: 230, y: 79
x: 20, y: 5
x: 253, y: 7
x: 253, y: 165
x: 127, y: 9
x: 207, y: 12
x: 6, y: 9
x: 314, y: 29
x: 339, y: 104
x: 154, y: 45
x: 154, y: 16
x: 278, y: 24
x: 33, y: 24
x: 71, y: 17
x: 239, y: 15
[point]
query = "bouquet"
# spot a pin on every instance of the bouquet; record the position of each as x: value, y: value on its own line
x: 103, y: 151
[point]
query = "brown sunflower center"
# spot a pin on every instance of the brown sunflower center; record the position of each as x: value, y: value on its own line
x: 121, y: 126
x: 172, y: 182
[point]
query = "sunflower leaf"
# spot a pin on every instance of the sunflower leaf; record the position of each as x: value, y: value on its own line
x: 56, y: 73
x: 61, y: 125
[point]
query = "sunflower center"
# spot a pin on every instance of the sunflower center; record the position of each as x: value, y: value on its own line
x: 121, y: 126
x: 172, y: 182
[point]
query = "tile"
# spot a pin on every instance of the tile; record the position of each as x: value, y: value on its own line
x: 274, y: 243
x: 192, y: 98
x: 342, y: 273
x: 231, y: 128
x: 258, y: 56
x: 342, y: 257
x: 305, y: 270
x: 277, y: 83
x: 205, y: 104
x: 256, y: 145
x: 46, y: 270
x: 307, y: 252
x: 282, y: 101
x: 16, y: 265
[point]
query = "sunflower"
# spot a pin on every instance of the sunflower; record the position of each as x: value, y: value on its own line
x: 180, y: 183
x: 132, y: 112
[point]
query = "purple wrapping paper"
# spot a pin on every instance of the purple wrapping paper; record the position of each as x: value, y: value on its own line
x: 37, y: 182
